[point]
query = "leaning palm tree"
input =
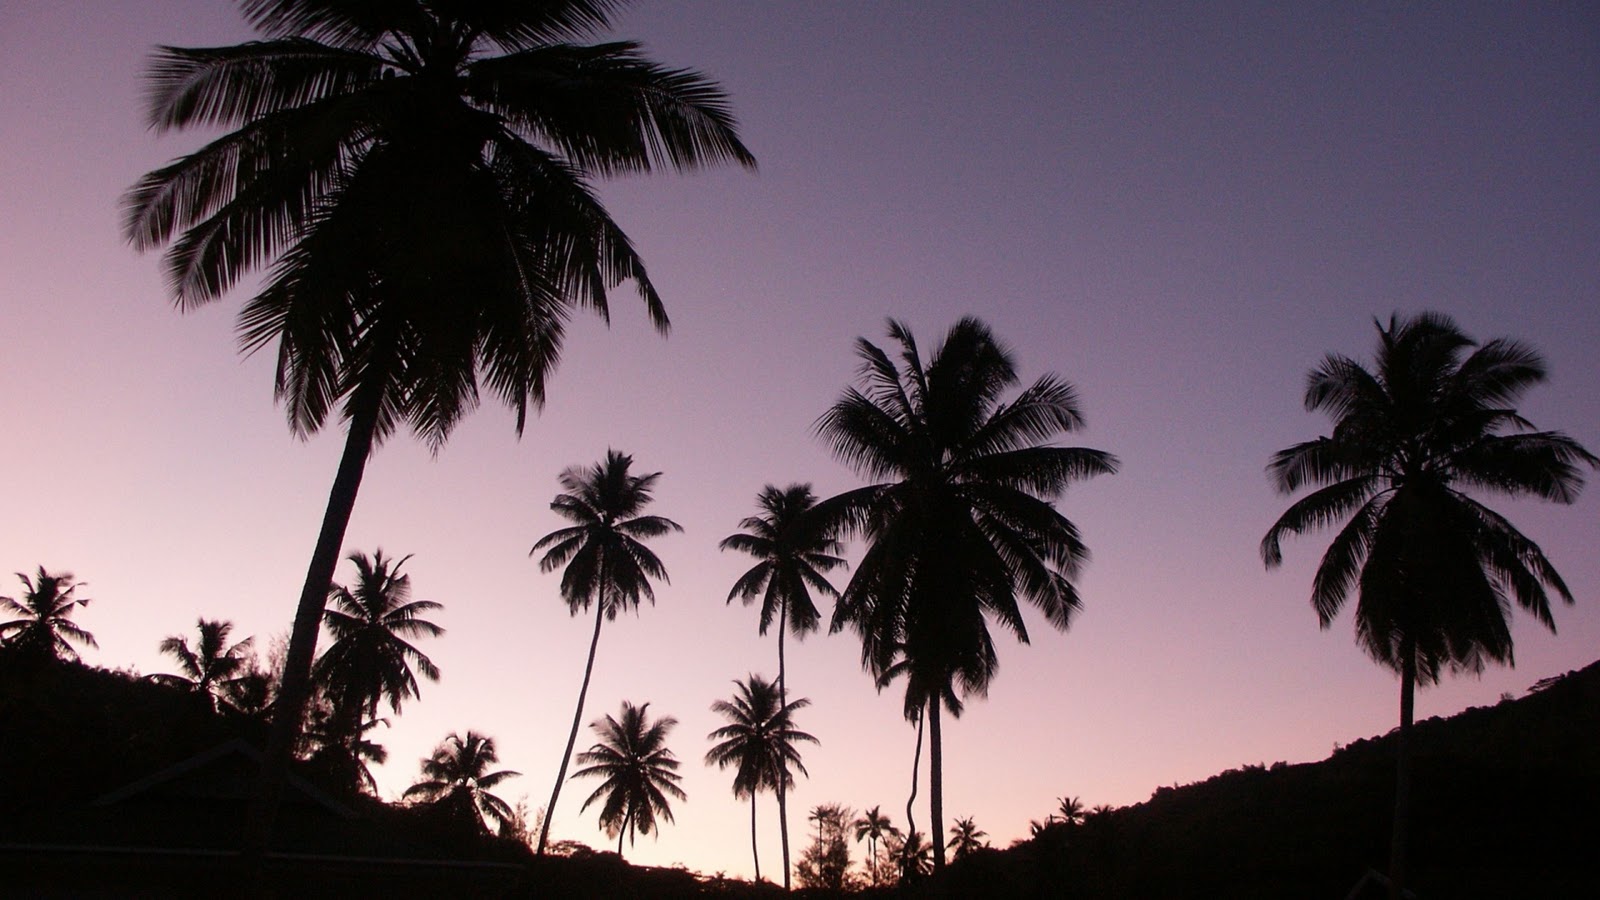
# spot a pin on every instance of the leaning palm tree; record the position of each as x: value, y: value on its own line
x: 211, y: 668
x: 759, y: 742
x: 960, y: 524
x: 416, y: 176
x: 43, y: 628
x: 458, y: 773
x: 607, y: 564
x: 370, y: 659
x: 639, y: 772
x: 965, y: 837
x: 1434, y: 570
x: 874, y: 826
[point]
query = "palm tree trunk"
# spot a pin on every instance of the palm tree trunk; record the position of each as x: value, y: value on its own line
x: 935, y: 784
x: 911, y: 819
x: 572, y: 738
x: 783, y: 701
x: 295, y: 686
x: 623, y: 831
x: 1402, y: 781
x: 754, y: 853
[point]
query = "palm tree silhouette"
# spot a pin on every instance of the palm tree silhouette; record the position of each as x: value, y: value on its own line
x: 606, y: 563
x: 43, y: 629
x: 458, y: 773
x: 759, y: 741
x: 348, y: 756
x: 965, y: 837
x: 793, y: 552
x: 639, y: 772
x: 960, y: 523
x: 211, y: 667
x: 1432, y: 568
x: 416, y: 174
x: 370, y: 659
x: 874, y: 826
x: 1070, y: 810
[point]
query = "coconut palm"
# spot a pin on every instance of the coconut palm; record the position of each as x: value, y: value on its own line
x: 416, y: 175
x: 759, y: 742
x: 639, y: 772
x: 960, y: 523
x: 458, y: 774
x: 912, y: 851
x: 965, y: 837
x: 370, y: 659
x: 1434, y: 570
x: 874, y: 826
x: 211, y: 667
x: 1070, y: 810
x: 43, y: 628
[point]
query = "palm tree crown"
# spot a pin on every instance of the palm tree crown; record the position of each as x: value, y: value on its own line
x: 370, y: 659
x: 211, y: 667
x: 874, y: 826
x: 458, y: 772
x: 639, y: 772
x: 759, y: 738
x: 44, y: 628
x: 793, y: 552
x: 960, y: 524
x: 965, y: 837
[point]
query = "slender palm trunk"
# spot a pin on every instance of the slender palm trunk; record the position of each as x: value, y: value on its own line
x: 783, y: 701
x: 623, y: 831
x: 935, y: 784
x: 1402, y: 781
x: 295, y: 686
x: 572, y: 738
x: 754, y: 853
x: 911, y: 819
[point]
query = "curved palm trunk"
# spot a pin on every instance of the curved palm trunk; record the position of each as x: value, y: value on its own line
x: 754, y: 853
x: 783, y: 701
x: 911, y: 819
x: 935, y: 784
x: 572, y: 738
x: 1402, y: 781
x: 295, y: 687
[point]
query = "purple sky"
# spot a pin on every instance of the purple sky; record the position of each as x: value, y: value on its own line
x: 1179, y: 209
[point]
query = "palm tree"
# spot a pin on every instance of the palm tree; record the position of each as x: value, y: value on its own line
x: 416, y: 174
x: 759, y: 741
x: 912, y: 851
x: 607, y: 565
x: 458, y: 773
x: 960, y: 523
x: 1070, y: 810
x: 43, y: 629
x: 1433, y: 569
x: 874, y: 826
x: 965, y: 837
x: 639, y: 772
x: 370, y: 659
x: 211, y: 668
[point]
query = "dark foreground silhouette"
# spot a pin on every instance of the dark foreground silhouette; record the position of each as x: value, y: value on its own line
x: 117, y: 784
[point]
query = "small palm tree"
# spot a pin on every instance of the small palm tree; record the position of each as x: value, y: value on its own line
x: 458, y: 773
x: 211, y: 668
x: 759, y: 741
x: 1434, y: 571
x: 607, y: 564
x: 965, y: 837
x: 639, y: 772
x: 43, y: 629
x: 913, y: 852
x: 1070, y: 810
x: 874, y: 826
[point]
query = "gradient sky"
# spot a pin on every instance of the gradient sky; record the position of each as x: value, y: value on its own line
x: 1179, y: 208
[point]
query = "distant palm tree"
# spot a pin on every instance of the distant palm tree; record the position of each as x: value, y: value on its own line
x: 960, y: 525
x: 43, y: 629
x: 965, y: 837
x: 759, y: 742
x: 211, y: 668
x: 417, y: 176
x: 1431, y: 567
x: 639, y: 772
x: 913, y: 853
x: 874, y: 826
x: 1070, y: 810
x: 370, y: 659
x: 458, y: 773
x: 348, y: 760
x: 607, y: 565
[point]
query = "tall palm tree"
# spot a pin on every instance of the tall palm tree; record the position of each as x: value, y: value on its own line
x: 759, y: 742
x: 965, y: 837
x: 1433, y: 569
x: 43, y: 629
x: 458, y: 773
x: 874, y: 826
x: 960, y: 523
x: 639, y: 772
x: 370, y: 659
x: 607, y: 564
x: 416, y: 174
x: 211, y: 667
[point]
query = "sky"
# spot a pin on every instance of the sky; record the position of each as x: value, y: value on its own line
x: 1180, y: 208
